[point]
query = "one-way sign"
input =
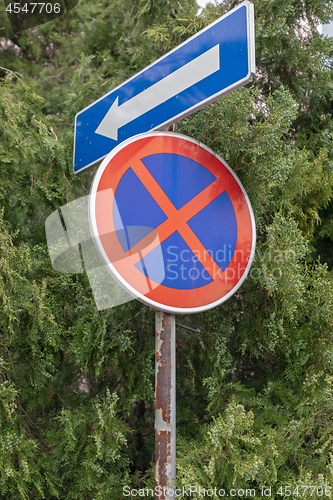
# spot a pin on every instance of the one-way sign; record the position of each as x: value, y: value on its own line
x: 212, y: 63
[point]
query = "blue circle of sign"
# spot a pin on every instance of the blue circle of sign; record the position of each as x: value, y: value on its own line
x: 181, y: 179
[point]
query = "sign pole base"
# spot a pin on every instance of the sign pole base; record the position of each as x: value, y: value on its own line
x: 165, y: 405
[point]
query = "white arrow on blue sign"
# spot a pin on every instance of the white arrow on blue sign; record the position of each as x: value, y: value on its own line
x: 212, y: 63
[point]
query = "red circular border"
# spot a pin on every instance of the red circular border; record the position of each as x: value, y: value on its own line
x: 124, y: 264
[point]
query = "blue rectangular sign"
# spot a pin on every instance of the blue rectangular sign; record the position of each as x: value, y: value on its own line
x: 212, y: 63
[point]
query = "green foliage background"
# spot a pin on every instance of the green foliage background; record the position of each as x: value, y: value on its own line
x: 255, y: 375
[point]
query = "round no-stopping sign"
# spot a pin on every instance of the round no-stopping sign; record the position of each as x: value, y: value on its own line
x: 172, y: 222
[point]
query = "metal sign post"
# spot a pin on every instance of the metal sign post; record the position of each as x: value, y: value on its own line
x: 165, y: 405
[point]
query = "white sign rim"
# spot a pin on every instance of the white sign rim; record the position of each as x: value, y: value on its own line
x: 111, y: 269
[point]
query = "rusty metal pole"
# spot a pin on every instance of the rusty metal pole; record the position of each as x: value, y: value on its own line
x: 165, y: 405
